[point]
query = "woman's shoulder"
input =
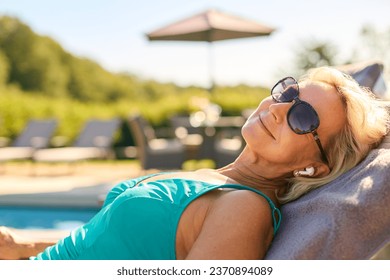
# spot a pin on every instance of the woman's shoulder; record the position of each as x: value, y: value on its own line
x: 246, y: 201
x: 238, y: 225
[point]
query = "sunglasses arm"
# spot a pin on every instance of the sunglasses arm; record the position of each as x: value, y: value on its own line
x: 323, y: 154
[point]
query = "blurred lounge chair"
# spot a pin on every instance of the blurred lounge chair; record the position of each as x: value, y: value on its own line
x: 228, y: 145
x: 190, y: 136
x: 153, y: 152
x: 245, y: 113
x: 94, y: 142
x: 36, y: 135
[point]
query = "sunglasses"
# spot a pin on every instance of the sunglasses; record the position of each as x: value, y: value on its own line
x: 301, y: 117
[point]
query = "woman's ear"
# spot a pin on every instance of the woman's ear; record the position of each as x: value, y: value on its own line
x: 320, y: 169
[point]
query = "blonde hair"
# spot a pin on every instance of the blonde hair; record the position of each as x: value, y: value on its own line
x: 367, y: 123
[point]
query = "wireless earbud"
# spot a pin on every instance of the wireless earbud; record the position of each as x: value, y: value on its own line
x: 309, y: 171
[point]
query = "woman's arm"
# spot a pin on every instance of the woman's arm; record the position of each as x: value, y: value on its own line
x: 20, y: 244
x: 238, y: 226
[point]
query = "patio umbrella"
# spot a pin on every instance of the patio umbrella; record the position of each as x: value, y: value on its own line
x: 210, y: 26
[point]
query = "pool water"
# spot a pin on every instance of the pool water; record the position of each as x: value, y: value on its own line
x: 45, y: 218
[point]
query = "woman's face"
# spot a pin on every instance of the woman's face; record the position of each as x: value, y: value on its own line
x: 269, y: 137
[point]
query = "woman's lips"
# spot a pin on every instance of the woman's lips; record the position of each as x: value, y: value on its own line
x: 265, y: 128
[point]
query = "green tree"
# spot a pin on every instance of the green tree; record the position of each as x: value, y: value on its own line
x: 38, y: 64
x: 16, y: 41
x: 4, y: 68
x: 313, y: 53
x: 375, y: 46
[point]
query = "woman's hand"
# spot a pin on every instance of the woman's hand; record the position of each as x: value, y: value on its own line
x: 15, y: 247
x: 11, y: 245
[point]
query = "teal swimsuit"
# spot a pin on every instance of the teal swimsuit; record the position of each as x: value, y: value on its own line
x: 138, y: 221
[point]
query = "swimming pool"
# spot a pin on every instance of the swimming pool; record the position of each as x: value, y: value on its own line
x: 45, y: 217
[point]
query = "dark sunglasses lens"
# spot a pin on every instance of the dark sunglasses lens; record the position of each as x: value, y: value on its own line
x: 285, y: 90
x: 303, y: 119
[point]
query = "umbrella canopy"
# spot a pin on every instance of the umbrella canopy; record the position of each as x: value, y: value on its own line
x: 210, y: 26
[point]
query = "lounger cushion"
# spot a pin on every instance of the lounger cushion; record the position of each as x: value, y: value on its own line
x: 368, y: 74
x: 69, y: 154
x: 15, y: 153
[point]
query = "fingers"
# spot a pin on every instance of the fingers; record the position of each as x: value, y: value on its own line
x: 9, y: 249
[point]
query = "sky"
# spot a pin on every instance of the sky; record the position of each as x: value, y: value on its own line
x: 112, y: 33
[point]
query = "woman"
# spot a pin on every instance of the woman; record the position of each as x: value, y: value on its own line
x: 299, y: 138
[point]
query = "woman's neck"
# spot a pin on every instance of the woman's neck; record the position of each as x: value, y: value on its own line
x: 256, y: 174
x: 247, y: 176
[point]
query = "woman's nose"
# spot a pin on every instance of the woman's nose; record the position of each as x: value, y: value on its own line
x: 279, y: 111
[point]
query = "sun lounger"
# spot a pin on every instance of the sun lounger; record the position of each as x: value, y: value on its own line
x: 228, y: 146
x: 159, y: 153
x: 368, y: 74
x: 36, y: 135
x: 94, y: 142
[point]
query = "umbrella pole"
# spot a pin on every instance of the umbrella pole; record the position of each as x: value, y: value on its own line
x: 211, y: 67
